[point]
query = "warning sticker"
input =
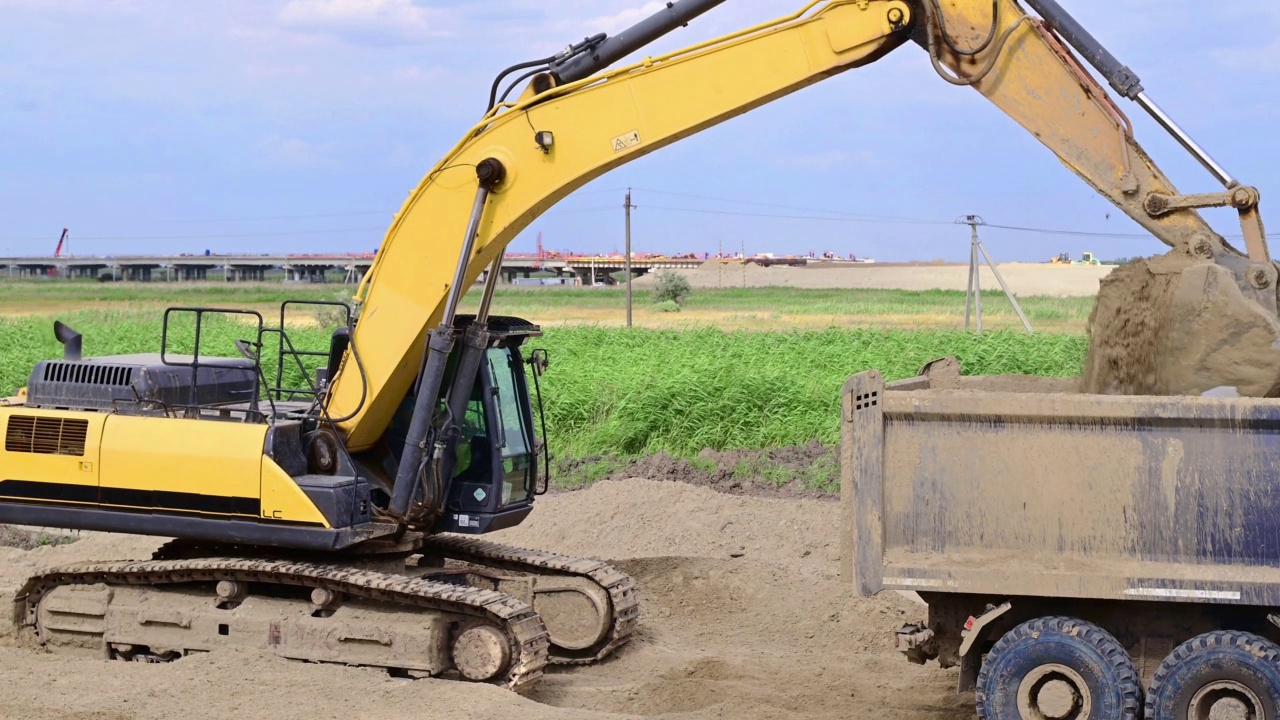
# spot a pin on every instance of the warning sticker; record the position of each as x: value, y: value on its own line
x: 624, y: 142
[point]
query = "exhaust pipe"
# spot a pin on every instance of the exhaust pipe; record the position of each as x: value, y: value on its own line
x: 72, y: 341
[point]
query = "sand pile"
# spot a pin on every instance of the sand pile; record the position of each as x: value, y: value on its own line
x: 1173, y: 325
x: 772, y: 633
x: 643, y: 518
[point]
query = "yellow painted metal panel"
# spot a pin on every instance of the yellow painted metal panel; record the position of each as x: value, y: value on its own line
x: 200, y: 457
x: 53, y: 469
x: 282, y: 499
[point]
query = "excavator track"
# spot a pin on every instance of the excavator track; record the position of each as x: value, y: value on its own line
x: 621, y: 588
x: 521, y: 628
x: 623, y: 606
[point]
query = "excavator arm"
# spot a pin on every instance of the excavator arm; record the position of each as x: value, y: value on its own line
x: 570, y: 127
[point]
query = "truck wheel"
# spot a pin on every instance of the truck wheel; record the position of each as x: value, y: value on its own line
x: 1220, y: 670
x: 1058, y: 668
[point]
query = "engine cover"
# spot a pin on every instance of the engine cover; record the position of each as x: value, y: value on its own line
x: 140, y: 384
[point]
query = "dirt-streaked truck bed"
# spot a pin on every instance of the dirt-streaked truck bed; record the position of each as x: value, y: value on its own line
x: 982, y: 492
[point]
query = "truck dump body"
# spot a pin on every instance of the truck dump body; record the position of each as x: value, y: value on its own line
x: 957, y: 485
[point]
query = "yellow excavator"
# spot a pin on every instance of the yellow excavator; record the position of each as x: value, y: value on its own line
x: 344, y: 527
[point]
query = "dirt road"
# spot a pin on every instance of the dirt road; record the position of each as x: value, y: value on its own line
x: 771, y: 633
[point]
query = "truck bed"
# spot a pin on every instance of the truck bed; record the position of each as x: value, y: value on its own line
x: 1023, y: 486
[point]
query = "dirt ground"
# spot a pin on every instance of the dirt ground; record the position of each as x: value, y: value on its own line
x: 745, y: 617
x: 1024, y: 279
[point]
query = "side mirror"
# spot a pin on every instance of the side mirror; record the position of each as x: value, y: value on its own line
x: 539, y: 360
x: 248, y: 349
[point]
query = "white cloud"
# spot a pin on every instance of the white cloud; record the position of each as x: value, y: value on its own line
x: 364, y: 19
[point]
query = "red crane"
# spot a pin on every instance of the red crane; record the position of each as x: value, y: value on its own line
x: 62, y: 241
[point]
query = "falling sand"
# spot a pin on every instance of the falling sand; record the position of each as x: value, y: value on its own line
x: 1175, y: 325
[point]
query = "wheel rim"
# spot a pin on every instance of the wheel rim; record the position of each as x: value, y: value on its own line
x: 1223, y: 694
x: 1054, y: 692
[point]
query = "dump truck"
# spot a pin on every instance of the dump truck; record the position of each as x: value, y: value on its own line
x: 1077, y: 552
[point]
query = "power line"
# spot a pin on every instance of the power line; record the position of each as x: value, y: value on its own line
x: 579, y: 211
x: 205, y: 237
x: 842, y: 213
x: 265, y: 218
x: 1084, y: 233
x: 851, y: 219
x: 610, y: 191
x: 1074, y: 233
x: 826, y: 216
x: 280, y: 233
x: 876, y: 219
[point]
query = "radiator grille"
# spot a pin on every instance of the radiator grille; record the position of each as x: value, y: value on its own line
x: 88, y: 374
x: 45, y: 436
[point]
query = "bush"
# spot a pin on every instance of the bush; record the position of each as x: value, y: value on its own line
x: 666, y: 306
x: 671, y: 286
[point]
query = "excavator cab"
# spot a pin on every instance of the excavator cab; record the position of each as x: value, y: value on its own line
x: 495, y: 474
x: 481, y: 472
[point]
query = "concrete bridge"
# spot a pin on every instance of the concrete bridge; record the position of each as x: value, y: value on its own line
x: 588, y: 270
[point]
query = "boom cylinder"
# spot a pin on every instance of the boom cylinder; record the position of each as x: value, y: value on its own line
x: 440, y: 344
x: 1125, y: 81
x: 675, y: 14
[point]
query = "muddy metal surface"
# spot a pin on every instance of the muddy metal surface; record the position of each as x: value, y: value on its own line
x: 744, y: 617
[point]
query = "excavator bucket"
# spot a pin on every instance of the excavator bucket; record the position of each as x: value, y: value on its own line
x: 1177, y: 325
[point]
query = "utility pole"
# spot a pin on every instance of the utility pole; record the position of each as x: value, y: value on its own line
x: 973, y: 298
x: 720, y: 266
x: 974, y: 293
x: 627, y: 263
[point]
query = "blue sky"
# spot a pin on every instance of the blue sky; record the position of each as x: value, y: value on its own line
x: 175, y: 126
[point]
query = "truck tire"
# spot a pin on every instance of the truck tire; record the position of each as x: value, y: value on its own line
x: 1217, y: 666
x: 1061, y: 668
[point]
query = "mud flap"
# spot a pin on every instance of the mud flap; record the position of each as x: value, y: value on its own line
x: 975, y: 632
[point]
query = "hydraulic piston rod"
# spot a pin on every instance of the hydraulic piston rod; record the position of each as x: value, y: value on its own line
x: 1187, y: 141
x: 1124, y: 80
x: 440, y: 345
x: 675, y: 14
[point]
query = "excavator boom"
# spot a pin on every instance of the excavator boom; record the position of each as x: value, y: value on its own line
x: 559, y: 135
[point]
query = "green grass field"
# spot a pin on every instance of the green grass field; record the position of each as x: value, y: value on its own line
x: 576, y: 304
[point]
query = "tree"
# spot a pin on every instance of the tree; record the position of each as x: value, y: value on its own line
x: 671, y: 286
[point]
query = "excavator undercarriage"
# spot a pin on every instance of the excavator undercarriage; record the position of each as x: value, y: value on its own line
x: 438, y: 606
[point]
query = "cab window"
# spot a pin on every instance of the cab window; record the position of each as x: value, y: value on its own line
x: 517, y: 454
